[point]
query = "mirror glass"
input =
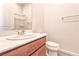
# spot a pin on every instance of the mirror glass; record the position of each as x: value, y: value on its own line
x: 15, y: 16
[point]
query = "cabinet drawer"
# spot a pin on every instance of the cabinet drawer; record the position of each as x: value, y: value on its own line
x: 40, y: 52
x: 26, y: 49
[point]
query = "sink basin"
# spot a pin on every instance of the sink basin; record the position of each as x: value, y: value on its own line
x: 21, y: 37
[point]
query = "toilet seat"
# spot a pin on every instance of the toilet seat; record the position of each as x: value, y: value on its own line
x: 52, y: 44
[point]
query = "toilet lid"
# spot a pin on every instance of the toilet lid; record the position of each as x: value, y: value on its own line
x: 53, y: 44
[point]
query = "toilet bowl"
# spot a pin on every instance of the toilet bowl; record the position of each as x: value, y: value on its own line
x: 52, y: 48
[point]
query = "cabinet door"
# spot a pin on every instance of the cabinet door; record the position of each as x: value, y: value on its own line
x: 26, y: 49
x: 40, y: 52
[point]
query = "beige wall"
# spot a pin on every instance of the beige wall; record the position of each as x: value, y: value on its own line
x: 66, y: 34
x: 37, y: 17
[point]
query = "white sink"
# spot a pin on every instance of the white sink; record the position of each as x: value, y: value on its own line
x: 21, y: 37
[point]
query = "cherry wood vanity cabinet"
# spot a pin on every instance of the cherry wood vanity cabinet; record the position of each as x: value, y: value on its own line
x: 34, y: 48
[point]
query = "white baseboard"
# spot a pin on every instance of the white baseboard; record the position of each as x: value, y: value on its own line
x: 63, y: 52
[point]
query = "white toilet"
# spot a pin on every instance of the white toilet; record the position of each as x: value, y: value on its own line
x: 52, y: 48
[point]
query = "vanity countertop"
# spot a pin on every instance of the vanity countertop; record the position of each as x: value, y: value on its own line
x: 6, y: 45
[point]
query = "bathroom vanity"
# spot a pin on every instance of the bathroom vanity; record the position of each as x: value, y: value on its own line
x: 28, y: 47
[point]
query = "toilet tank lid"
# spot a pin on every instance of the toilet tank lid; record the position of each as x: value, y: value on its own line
x: 53, y: 44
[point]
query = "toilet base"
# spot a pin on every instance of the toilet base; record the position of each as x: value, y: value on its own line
x: 52, y: 53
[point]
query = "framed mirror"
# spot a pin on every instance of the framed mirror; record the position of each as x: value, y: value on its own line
x: 15, y: 16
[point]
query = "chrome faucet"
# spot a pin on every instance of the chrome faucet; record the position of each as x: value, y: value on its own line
x: 21, y: 32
